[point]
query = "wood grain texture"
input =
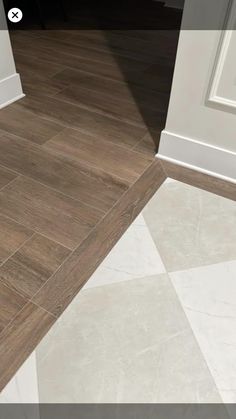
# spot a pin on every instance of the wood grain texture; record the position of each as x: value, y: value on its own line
x: 120, y: 90
x: 93, y: 123
x: 85, y: 148
x: 12, y: 236
x: 76, y: 167
x: 28, y: 269
x: 105, y: 104
x: 200, y: 180
x: 11, y: 303
x: 148, y: 146
x: 88, y: 185
x: 6, y: 176
x: 48, y: 212
x: 28, y: 126
x: 20, y: 338
x: 58, y: 292
x: 82, y: 60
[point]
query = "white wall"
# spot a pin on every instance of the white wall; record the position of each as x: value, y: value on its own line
x: 10, y: 84
x: 201, y: 123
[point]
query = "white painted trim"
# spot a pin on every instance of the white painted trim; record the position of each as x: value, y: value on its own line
x: 226, y: 37
x: 10, y: 90
x: 197, y: 155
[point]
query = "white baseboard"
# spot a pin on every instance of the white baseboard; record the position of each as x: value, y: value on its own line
x: 199, y: 156
x: 10, y: 90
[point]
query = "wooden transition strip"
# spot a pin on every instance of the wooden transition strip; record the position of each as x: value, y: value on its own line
x: 20, y: 338
x: 24, y: 333
x: 200, y: 180
x: 62, y: 287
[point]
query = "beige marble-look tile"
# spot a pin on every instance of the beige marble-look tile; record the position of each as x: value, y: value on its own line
x: 124, y: 342
x: 23, y: 387
x: 191, y: 227
x: 134, y: 256
x: 208, y: 297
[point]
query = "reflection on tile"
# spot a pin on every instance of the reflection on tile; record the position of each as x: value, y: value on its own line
x: 124, y: 342
x: 208, y: 296
x: 134, y: 256
x: 191, y: 227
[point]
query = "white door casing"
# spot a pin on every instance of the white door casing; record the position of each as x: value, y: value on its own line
x: 200, y: 129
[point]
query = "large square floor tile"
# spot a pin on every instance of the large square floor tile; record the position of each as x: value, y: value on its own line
x: 208, y: 297
x: 134, y: 256
x: 191, y: 227
x: 124, y: 342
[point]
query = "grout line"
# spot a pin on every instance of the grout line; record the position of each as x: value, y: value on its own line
x: 20, y: 175
x: 164, y: 170
x: 9, y: 257
x: 94, y: 229
x: 42, y: 308
x: 98, y: 111
x: 124, y: 180
x: 68, y: 126
x: 18, y: 313
x: 11, y: 181
x: 35, y: 231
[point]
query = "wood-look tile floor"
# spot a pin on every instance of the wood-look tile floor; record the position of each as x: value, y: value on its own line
x: 77, y: 164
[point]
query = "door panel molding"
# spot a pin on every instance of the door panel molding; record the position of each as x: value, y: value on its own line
x: 222, y: 92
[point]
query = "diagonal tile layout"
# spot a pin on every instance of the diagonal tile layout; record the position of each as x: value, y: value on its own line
x: 155, y: 322
x: 134, y: 256
x: 191, y: 227
x: 208, y: 297
x: 125, y: 342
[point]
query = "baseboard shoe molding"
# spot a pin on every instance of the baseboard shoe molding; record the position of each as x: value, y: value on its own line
x: 200, y: 179
x: 198, y: 156
x: 10, y: 90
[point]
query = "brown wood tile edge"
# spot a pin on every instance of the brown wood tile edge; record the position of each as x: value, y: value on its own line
x: 60, y: 289
x: 200, y: 180
x: 22, y: 335
x: 20, y: 338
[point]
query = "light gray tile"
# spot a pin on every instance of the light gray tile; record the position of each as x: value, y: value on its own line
x: 125, y: 342
x: 191, y: 227
x: 208, y: 296
x: 134, y: 256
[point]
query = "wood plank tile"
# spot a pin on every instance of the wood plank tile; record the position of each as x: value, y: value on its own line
x: 89, y: 185
x: 12, y: 236
x: 38, y: 68
x: 200, y: 180
x: 115, y: 160
x: 48, y: 212
x: 108, y: 105
x: 87, y: 121
x: 76, y: 49
x: 124, y: 45
x: 48, y: 87
x: 111, y: 71
x: 80, y: 48
x: 6, y: 176
x: 20, y: 338
x: 29, y: 126
x: 28, y: 269
x: 11, y: 303
x: 148, y: 146
x: 57, y: 293
x: 113, y: 88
